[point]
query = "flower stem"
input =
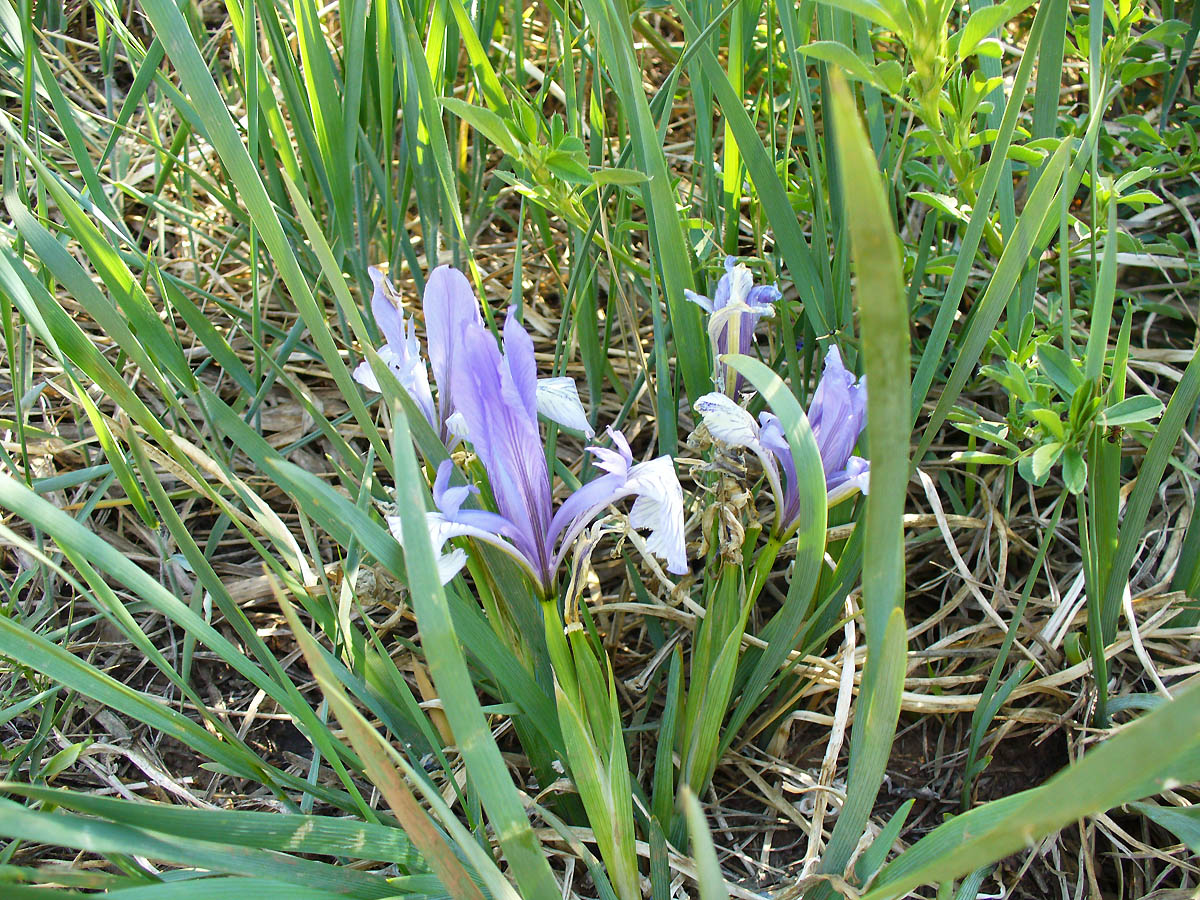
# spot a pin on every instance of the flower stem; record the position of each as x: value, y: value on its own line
x: 756, y: 577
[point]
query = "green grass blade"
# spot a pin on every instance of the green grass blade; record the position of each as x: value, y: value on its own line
x: 1161, y: 748
x: 84, y: 548
x: 115, y: 456
x: 708, y: 868
x: 1102, y: 306
x: 372, y: 748
x: 211, y: 109
x: 770, y: 190
x: 333, y: 131
x: 1104, y: 473
x: 671, y: 256
x: 1039, y: 209
x: 448, y: 668
x: 662, y: 798
x: 72, y: 275
x: 221, y: 888
x: 784, y: 630
x: 322, y: 835
x: 931, y: 358
x: 89, y: 549
x: 1145, y: 489
x: 28, y: 649
x: 1182, y: 822
x: 884, y: 324
x: 431, y: 121
x: 1181, y: 67
x: 98, y: 836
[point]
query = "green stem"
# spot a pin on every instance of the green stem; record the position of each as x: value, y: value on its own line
x: 714, y: 663
x: 757, y: 577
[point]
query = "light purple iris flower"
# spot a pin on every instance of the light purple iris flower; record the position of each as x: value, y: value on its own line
x: 837, y: 417
x: 450, y: 310
x: 734, y: 312
x: 497, y: 396
x: 449, y: 306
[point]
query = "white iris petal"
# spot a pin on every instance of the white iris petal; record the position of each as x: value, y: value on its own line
x: 442, y: 530
x: 727, y: 422
x: 659, y: 509
x: 457, y: 426
x: 558, y: 400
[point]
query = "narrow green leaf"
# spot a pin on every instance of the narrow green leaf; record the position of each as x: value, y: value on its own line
x: 373, y: 750
x: 883, y: 313
x: 323, y: 835
x: 489, y: 84
x: 448, y: 668
x: 486, y: 122
x: 116, y: 456
x: 789, y: 237
x: 1137, y: 508
x: 1103, y: 298
x: 616, y: 175
x: 1159, y: 750
x: 169, y: 25
x: 671, y: 257
x: 97, y: 836
x: 783, y: 631
x: 1183, y: 822
x: 891, y: 16
x: 708, y: 868
x: 841, y: 55
x: 988, y: 309
x: 997, y: 169
x: 219, y: 888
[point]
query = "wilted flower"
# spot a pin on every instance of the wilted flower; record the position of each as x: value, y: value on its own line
x: 450, y: 310
x: 734, y: 312
x: 498, y: 397
x: 837, y: 416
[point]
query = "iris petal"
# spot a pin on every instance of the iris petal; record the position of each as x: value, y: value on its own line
x: 659, y: 508
x: 497, y: 397
x: 736, y: 301
x: 837, y: 412
x: 726, y: 421
x: 496, y: 401
x: 401, y: 353
x: 388, y: 318
x: 558, y: 401
x: 836, y: 415
x: 850, y: 480
x: 450, y: 308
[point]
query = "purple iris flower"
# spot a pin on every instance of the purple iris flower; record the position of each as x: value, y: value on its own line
x: 450, y: 310
x: 837, y: 417
x: 449, y: 306
x: 734, y: 312
x: 497, y: 395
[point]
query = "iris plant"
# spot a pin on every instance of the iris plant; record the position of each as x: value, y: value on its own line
x: 492, y: 399
x: 837, y: 417
x: 450, y: 309
x: 734, y: 312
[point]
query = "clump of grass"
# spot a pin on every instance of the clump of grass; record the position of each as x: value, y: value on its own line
x: 223, y: 672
